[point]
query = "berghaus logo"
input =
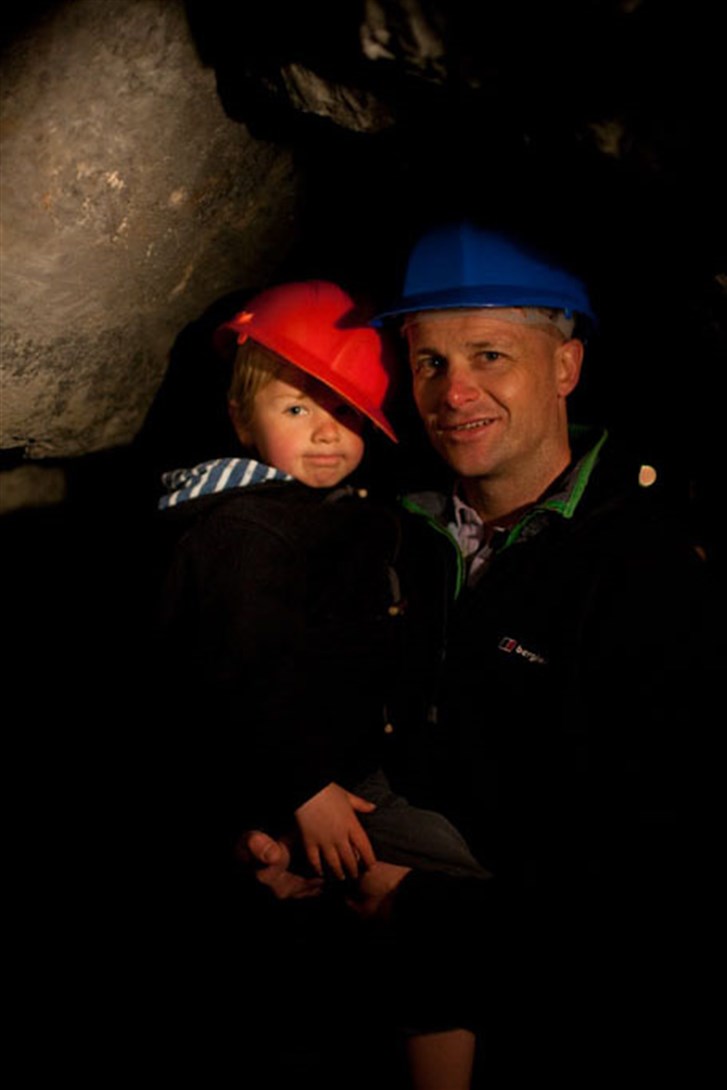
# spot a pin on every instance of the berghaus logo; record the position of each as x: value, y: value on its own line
x: 511, y: 646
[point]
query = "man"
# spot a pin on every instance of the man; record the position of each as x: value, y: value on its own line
x: 561, y: 722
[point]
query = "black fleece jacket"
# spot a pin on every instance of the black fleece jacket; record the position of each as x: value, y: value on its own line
x: 568, y: 739
x: 574, y: 670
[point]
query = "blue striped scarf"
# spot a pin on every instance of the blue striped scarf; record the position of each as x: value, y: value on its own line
x: 215, y: 476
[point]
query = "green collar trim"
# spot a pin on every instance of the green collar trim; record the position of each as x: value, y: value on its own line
x: 565, y: 501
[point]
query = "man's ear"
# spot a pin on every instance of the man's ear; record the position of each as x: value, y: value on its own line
x: 568, y: 358
x: 243, y: 433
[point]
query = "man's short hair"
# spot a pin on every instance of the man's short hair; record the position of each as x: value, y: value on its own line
x: 549, y: 319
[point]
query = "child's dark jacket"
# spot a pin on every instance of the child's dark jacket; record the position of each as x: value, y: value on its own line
x: 279, y: 635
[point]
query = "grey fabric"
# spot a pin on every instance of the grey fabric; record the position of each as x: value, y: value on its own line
x: 404, y: 834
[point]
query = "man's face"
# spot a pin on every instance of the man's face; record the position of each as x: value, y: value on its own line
x: 491, y: 390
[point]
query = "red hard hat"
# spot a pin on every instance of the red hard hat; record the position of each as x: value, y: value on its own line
x: 313, y: 325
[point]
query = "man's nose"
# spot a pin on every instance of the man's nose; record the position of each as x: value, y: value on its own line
x: 460, y: 388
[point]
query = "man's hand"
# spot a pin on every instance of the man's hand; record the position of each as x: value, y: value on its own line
x: 271, y: 858
x: 332, y: 833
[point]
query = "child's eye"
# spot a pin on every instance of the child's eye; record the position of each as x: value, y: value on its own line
x: 295, y: 410
x: 347, y: 412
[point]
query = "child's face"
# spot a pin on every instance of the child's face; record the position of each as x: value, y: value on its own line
x: 304, y: 428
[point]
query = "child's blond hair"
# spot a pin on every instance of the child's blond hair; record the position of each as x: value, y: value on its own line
x: 253, y: 369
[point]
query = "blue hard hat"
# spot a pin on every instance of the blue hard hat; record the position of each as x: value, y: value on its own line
x: 462, y: 265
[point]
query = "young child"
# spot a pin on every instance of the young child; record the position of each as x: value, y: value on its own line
x: 283, y: 599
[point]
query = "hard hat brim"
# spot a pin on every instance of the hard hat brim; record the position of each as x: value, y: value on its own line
x: 490, y: 295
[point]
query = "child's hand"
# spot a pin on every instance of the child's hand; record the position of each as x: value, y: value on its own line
x: 270, y: 862
x: 330, y: 829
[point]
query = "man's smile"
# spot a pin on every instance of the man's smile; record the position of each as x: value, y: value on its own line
x: 465, y: 426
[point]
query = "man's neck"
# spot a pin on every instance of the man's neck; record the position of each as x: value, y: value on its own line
x: 503, y: 497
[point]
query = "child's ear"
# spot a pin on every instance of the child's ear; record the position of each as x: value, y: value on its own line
x: 243, y: 433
